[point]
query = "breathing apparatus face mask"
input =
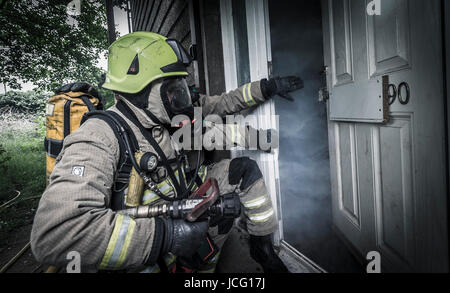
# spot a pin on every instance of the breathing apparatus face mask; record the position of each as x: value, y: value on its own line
x: 176, y: 97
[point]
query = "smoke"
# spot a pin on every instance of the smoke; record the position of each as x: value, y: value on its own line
x: 297, y: 49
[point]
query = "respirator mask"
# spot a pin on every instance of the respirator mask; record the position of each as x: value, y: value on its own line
x: 176, y: 97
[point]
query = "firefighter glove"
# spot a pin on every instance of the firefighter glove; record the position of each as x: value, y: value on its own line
x: 281, y: 86
x: 183, y: 238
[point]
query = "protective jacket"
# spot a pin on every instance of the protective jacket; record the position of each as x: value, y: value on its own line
x: 75, y: 212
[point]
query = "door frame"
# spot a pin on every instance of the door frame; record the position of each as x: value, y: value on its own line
x: 257, y: 34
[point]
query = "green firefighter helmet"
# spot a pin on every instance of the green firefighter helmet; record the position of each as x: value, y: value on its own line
x: 137, y: 59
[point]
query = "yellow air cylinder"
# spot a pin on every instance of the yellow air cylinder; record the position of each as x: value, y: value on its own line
x: 135, y: 186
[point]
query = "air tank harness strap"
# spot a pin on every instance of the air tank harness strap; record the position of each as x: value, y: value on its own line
x: 126, y: 111
x: 127, y: 144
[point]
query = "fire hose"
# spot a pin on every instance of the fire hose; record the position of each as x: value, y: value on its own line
x: 204, y: 204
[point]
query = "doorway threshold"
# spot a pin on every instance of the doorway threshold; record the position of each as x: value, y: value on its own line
x: 296, y: 262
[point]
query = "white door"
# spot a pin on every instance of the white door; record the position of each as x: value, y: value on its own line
x: 388, y: 179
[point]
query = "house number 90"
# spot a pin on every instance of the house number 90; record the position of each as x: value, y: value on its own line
x: 403, y: 93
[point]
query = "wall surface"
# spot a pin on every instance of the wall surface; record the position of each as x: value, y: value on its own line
x: 297, y: 49
x: 211, y: 34
x: 169, y: 18
x: 446, y: 21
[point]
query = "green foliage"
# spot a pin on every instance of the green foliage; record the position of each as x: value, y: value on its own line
x: 22, y: 168
x: 4, y: 158
x: 24, y: 102
x: 39, y: 43
x: 40, y: 126
x: 108, y: 97
x: 24, y: 165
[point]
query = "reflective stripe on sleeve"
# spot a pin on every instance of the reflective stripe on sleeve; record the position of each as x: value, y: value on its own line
x: 119, y: 242
x: 248, y: 95
x: 256, y: 203
x: 261, y: 217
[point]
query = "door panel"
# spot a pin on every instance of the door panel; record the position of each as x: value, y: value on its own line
x: 342, y: 41
x: 395, y: 171
x: 388, y: 38
x: 347, y: 33
x: 348, y: 181
x: 394, y: 194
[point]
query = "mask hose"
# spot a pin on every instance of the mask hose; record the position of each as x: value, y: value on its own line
x: 148, y: 181
x: 186, y: 193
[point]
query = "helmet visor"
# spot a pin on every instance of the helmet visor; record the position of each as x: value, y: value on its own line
x: 177, y: 94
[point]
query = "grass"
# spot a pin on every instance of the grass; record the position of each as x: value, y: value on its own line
x: 22, y: 167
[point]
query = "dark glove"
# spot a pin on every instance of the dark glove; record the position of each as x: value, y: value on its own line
x: 281, y: 86
x: 183, y: 238
x: 79, y: 87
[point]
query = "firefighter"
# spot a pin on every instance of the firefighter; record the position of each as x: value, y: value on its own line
x: 148, y: 73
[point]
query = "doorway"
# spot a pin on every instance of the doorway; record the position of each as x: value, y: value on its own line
x: 304, y: 166
x: 262, y: 38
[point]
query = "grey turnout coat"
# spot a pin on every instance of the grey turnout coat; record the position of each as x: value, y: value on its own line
x: 74, y: 213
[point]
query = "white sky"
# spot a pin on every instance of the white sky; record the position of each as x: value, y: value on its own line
x: 120, y: 19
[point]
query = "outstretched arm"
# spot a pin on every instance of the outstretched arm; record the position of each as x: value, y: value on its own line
x: 249, y: 95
